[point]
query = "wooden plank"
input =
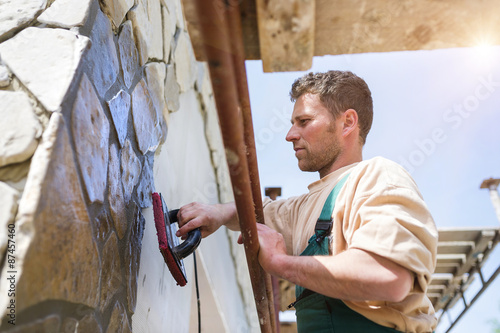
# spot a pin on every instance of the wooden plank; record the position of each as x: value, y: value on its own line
x: 286, y: 34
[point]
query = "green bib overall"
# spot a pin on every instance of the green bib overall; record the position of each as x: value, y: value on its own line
x: 318, y: 313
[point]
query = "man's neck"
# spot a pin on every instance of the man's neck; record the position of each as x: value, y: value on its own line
x: 342, y: 161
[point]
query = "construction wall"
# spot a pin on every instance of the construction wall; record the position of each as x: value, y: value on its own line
x: 102, y: 103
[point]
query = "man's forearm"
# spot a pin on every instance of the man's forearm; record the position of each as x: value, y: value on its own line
x: 353, y: 275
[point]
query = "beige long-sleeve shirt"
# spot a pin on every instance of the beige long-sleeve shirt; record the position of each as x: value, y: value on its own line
x: 379, y: 210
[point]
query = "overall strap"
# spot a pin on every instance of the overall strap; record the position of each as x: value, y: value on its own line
x: 324, y: 224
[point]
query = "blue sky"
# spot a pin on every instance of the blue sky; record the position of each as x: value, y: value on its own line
x: 435, y: 112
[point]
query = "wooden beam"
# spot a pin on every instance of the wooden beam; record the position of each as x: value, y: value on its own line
x: 286, y: 34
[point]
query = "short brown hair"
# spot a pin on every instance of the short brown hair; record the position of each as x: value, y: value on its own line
x: 339, y: 91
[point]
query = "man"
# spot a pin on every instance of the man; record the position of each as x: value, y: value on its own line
x: 361, y: 245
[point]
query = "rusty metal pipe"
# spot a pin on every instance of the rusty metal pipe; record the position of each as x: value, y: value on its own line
x: 236, y: 41
x: 218, y: 51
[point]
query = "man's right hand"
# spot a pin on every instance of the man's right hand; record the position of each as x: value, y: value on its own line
x: 208, y: 218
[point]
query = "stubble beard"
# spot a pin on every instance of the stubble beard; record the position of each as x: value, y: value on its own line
x: 315, y: 161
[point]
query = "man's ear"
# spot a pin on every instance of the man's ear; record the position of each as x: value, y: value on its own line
x: 350, y: 122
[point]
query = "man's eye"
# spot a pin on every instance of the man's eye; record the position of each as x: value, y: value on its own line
x: 303, y: 121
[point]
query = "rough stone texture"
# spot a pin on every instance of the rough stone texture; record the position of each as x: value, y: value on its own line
x: 146, y: 18
x: 68, y: 325
x: 48, y: 324
x: 91, y: 134
x: 66, y: 13
x: 131, y: 169
x: 185, y: 63
x: 150, y: 127
x: 117, y: 9
x: 175, y: 9
x: 88, y: 324
x: 133, y: 257
x: 168, y: 32
x: 19, y: 128
x: 4, y: 77
x: 119, y: 106
x: 15, y: 14
x: 54, y: 235
x: 115, y: 193
x: 8, y: 208
x: 39, y: 56
x: 146, y: 185
x: 102, y: 227
x: 155, y: 73
x: 102, y: 57
x: 119, y: 320
x: 111, y: 277
x: 172, y: 90
x: 129, y: 56
x: 15, y: 172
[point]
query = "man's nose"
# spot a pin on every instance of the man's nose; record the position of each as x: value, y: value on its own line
x: 292, y: 134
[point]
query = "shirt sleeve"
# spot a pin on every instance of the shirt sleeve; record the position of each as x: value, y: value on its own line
x: 277, y: 216
x: 389, y: 217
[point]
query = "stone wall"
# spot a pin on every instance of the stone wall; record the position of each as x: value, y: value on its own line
x: 102, y: 103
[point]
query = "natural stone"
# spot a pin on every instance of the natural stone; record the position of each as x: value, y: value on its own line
x: 54, y: 235
x: 19, y: 128
x: 111, y: 277
x: 47, y: 324
x: 91, y: 134
x: 102, y: 57
x: 133, y: 256
x: 168, y: 32
x: 150, y: 127
x: 102, y: 227
x: 131, y: 169
x: 119, y: 106
x: 4, y: 77
x: 155, y: 73
x: 129, y: 56
x: 15, y: 172
x: 185, y: 63
x: 175, y: 9
x: 117, y: 9
x: 115, y: 195
x: 66, y: 13
x: 146, y: 185
x: 16, y: 14
x: 172, y: 90
x: 118, y: 323
x: 68, y: 325
x: 88, y: 324
x: 146, y: 18
x: 8, y: 209
x: 45, y: 60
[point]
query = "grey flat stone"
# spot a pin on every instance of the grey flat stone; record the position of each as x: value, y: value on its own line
x: 19, y: 128
x: 131, y: 169
x: 116, y: 196
x: 45, y: 60
x: 102, y: 57
x: 172, y: 90
x: 15, y: 14
x: 129, y: 57
x: 117, y: 9
x: 66, y: 13
x: 149, y: 124
x: 155, y: 73
x: 146, y: 186
x: 119, y: 106
x: 91, y: 134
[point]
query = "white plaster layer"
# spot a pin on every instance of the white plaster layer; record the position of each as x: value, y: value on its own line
x: 146, y: 18
x: 45, y: 60
x: 91, y: 134
x: 129, y: 56
x: 119, y: 106
x: 14, y: 14
x: 19, y: 128
x: 66, y: 13
x: 102, y: 57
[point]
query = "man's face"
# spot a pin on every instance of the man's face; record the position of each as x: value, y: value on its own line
x: 314, y: 134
